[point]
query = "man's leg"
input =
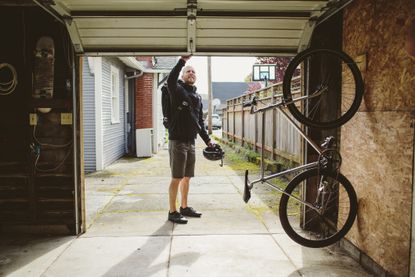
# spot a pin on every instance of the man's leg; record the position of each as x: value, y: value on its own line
x: 185, y: 183
x: 184, y: 191
x: 177, y: 164
x: 174, y: 187
x: 174, y: 215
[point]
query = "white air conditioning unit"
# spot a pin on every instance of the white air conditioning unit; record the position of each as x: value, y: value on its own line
x: 144, y: 142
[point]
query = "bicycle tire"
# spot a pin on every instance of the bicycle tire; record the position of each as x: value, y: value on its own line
x: 307, y: 236
x: 356, y: 92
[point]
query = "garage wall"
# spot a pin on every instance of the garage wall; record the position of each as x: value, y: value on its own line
x: 36, y: 163
x: 377, y: 144
x: 13, y: 114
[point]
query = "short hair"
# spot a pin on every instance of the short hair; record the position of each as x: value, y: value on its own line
x: 186, y: 67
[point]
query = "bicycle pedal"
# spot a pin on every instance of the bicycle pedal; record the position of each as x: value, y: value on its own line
x: 247, y: 190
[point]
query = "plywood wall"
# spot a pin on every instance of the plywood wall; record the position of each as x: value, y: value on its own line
x: 377, y: 144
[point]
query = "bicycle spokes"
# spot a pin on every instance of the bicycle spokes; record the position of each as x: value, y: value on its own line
x: 327, y: 218
x: 332, y: 213
x: 331, y: 70
x: 333, y: 83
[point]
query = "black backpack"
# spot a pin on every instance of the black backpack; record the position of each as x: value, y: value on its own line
x: 167, y: 110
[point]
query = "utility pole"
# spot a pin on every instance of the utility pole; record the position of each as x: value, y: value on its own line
x: 209, y: 70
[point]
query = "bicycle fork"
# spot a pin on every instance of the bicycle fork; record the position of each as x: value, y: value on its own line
x: 324, y: 195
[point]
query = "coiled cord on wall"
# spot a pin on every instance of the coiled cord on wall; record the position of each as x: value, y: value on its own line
x: 8, y: 87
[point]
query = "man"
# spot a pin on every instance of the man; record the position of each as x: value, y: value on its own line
x: 186, y: 123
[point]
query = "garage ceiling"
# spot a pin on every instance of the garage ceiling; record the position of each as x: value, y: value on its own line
x: 205, y: 27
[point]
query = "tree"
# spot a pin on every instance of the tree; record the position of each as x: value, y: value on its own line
x: 252, y: 86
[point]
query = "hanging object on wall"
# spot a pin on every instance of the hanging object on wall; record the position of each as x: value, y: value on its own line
x: 44, y: 70
x: 8, y: 79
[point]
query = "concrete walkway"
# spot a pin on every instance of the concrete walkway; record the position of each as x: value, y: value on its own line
x: 129, y: 235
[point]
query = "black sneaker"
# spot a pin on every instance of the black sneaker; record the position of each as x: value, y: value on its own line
x: 189, y: 211
x: 177, y: 218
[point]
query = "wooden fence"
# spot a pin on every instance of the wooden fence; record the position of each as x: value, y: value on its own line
x: 244, y: 128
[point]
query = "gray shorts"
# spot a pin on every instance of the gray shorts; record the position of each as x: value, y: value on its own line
x: 182, y: 158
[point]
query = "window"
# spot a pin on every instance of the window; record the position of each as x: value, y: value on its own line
x: 115, y: 95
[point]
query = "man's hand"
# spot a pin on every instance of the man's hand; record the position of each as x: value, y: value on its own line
x: 211, y: 144
x: 186, y: 58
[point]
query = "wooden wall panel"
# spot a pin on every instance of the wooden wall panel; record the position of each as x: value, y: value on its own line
x: 377, y: 159
x: 377, y: 144
x: 376, y: 28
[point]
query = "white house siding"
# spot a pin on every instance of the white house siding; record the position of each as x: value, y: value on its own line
x: 88, y: 99
x: 160, y: 137
x: 113, y: 133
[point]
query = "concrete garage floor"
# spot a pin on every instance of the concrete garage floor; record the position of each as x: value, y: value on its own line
x: 129, y: 235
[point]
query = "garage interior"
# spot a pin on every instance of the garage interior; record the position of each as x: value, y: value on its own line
x: 37, y: 148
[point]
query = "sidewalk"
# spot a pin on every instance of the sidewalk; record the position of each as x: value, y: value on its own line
x: 129, y: 235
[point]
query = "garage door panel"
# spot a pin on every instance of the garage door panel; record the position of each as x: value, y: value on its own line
x: 248, y: 33
x: 260, y: 5
x: 137, y: 33
x: 131, y: 22
x: 256, y: 42
x: 246, y: 50
x: 123, y: 5
x: 251, y: 23
x: 133, y: 43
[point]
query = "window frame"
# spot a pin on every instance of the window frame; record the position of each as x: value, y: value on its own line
x: 115, y: 94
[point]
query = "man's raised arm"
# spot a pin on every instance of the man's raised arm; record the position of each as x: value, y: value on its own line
x: 174, y: 74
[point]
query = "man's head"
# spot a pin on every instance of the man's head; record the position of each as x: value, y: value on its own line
x: 189, y: 75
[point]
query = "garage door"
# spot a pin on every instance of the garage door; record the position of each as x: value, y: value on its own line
x: 126, y: 27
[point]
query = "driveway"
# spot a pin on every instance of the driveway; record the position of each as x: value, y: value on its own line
x: 129, y: 235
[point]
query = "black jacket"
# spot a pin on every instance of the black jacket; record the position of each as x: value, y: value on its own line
x: 183, y: 126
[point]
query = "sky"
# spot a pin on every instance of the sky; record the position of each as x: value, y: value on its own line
x: 224, y: 69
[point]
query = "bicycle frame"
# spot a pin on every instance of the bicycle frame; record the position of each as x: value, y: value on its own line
x: 264, y: 179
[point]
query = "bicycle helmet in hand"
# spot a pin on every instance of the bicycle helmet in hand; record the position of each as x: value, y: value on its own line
x: 214, y: 153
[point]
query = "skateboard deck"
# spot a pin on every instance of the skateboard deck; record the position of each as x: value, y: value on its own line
x: 44, y: 69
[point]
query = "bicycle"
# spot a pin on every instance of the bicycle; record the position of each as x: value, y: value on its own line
x: 319, y: 205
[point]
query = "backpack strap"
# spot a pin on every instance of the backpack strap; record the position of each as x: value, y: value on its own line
x: 166, y: 106
x: 191, y: 109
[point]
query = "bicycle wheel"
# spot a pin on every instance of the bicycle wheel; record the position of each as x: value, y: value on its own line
x: 328, y: 73
x: 337, y: 209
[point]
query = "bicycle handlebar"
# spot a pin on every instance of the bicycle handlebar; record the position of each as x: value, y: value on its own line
x: 246, y: 104
x: 250, y: 103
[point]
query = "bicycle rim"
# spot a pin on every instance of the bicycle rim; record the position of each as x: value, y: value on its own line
x: 306, y: 226
x: 335, y: 88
